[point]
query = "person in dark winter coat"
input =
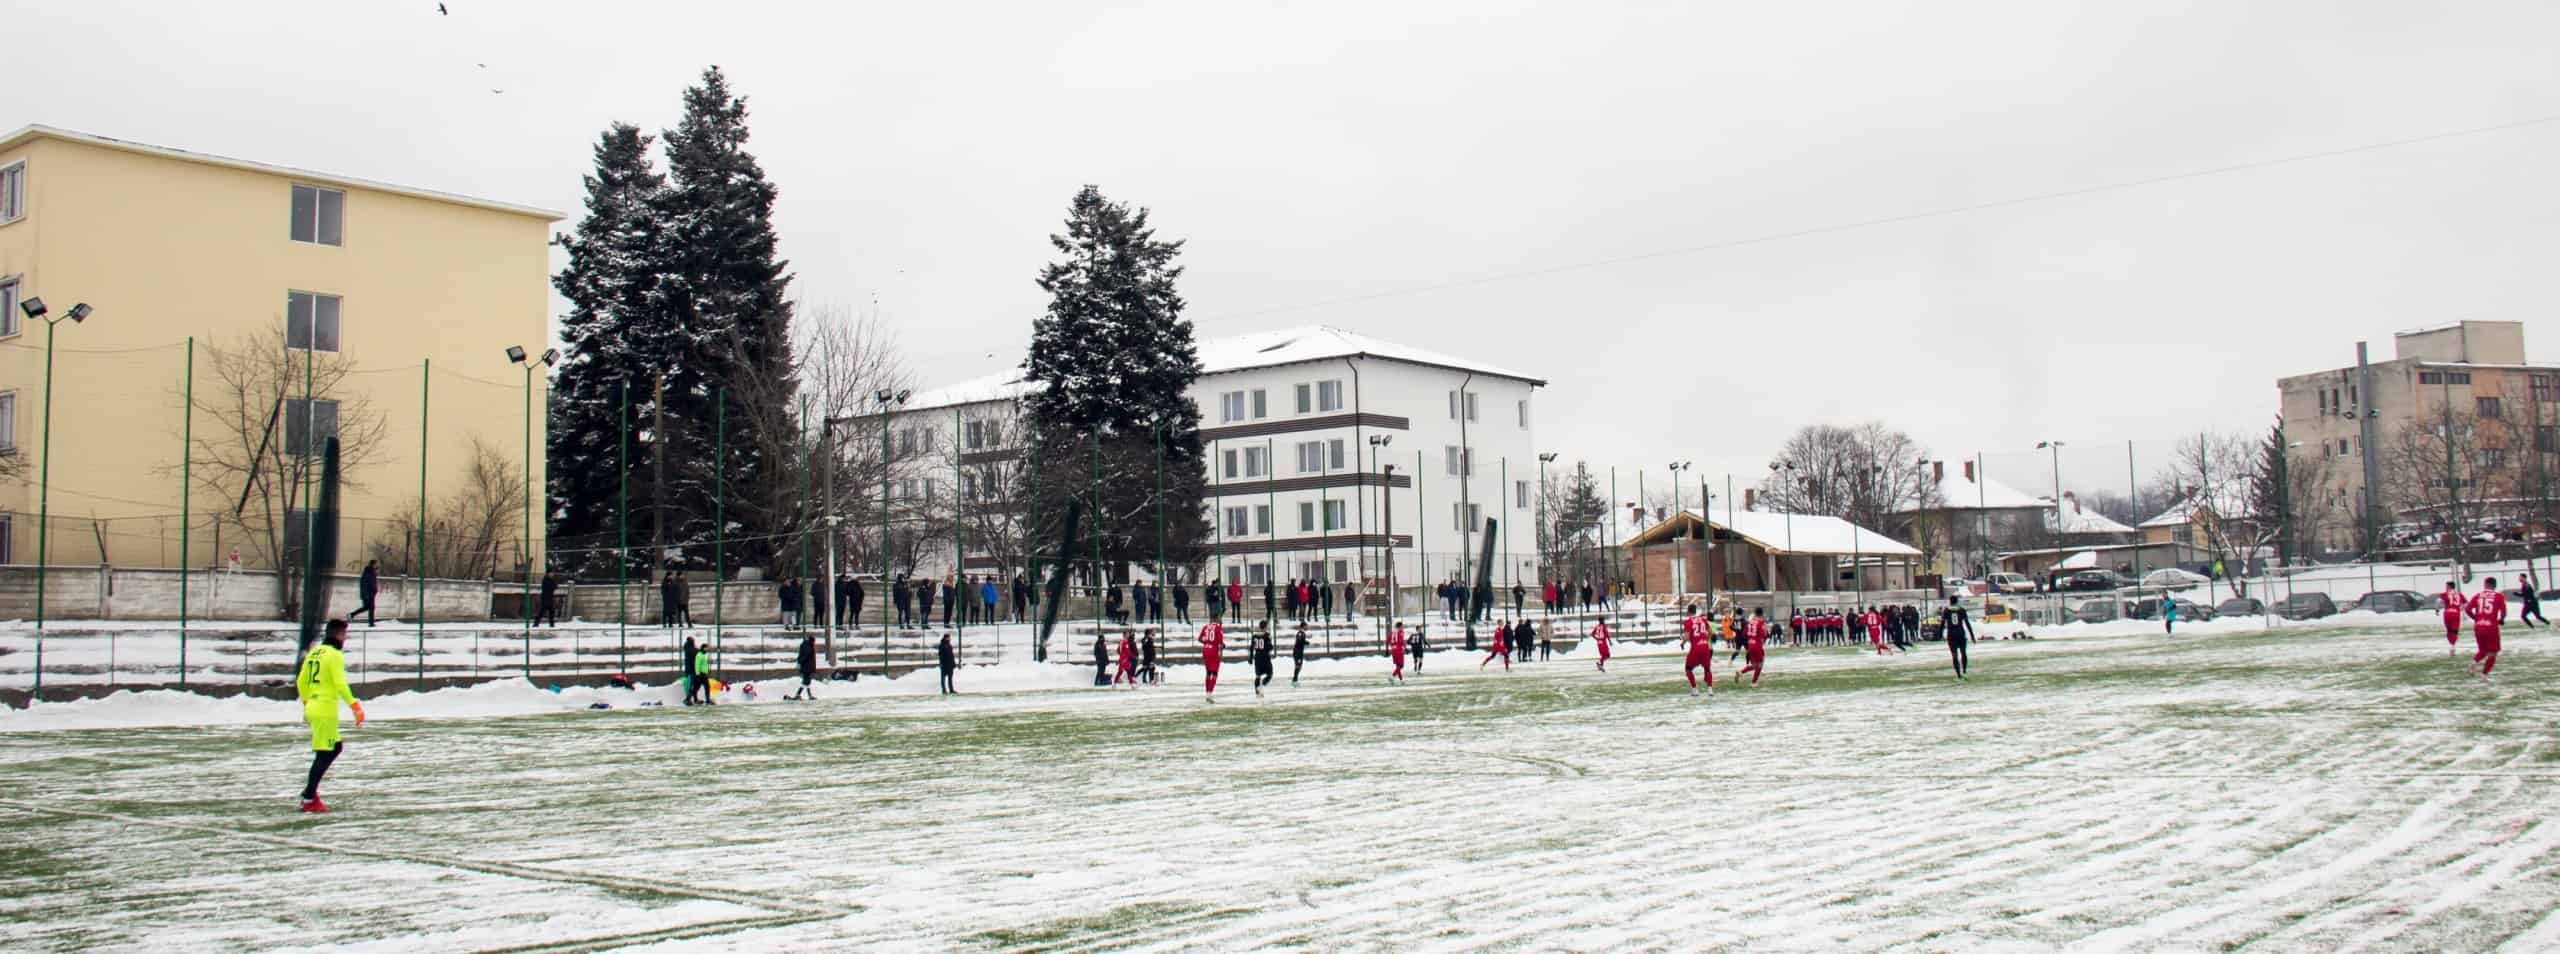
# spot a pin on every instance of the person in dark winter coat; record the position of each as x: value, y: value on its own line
x: 1021, y: 599
x: 1182, y: 605
x: 1350, y: 600
x: 693, y: 684
x: 1101, y: 661
x: 1147, y: 659
x: 666, y: 599
x: 549, y: 607
x: 366, y: 586
x: 924, y: 602
x: 1217, y: 603
x: 904, y: 597
x: 808, y: 667
x: 947, y: 661
x: 788, y: 595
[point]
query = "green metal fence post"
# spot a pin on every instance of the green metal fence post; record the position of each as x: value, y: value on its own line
x: 418, y: 563
x: 186, y: 482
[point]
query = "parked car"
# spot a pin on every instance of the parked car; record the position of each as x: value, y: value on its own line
x: 2188, y: 610
x: 1959, y: 586
x: 2240, y: 606
x: 2011, y: 583
x: 2390, y: 601
x: 2099, y: 611
x: 2172, y: 578
x: 2087, y: 581
x: 2307, y: 606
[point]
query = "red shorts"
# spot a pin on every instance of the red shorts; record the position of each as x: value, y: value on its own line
x: 1698, y: 658
x: 2487, y: 638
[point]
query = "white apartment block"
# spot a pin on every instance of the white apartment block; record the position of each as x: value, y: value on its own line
x: 1317, y: 439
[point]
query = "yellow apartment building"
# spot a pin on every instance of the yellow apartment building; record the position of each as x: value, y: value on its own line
x: 393, y: 301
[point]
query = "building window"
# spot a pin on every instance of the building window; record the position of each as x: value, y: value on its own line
x: 1227, y: 461
x: 1333, y: 511
x: 301, y: 417
x: 968, y: 485
x: 2546, y: 438
x: 1520, y: 494
x: 1310, y: 457
x: 1465, y: 516
x: 2342, y: 447
x: 1230, y: 407
x: 1460, y: 461
x: 1306, y: 516
x: 2324, y: 400
x: 1524, y: 414
x: 1462, y: 404
x: 2352, y: 401
x: 8, y: 306
x: 1334, y: 452
x: 13, y: 191
x: 1262, y: 518
x: 1257, y: 573
x: 1328, y: 395
x: 976, y: 434
x: 1261, y: 408
x: 2541, y: 387
x: 319, y: 215
x: 1306, y: 398
x: 1236, y: 526
x: 2492, y: 458
x: 2489, y: 407
x: 1255, y: 462
x: 311, y: 321
x: 8, y: 422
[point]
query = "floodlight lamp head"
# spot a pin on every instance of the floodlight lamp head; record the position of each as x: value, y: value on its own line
x: 882, y: 395
x: 515, y: 354
x: 79, y: 313
x: 902, y: 395
x: 34, y: 307
x: 550, y: 357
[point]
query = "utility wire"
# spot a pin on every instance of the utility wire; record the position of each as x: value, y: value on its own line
x: 1897, y: 219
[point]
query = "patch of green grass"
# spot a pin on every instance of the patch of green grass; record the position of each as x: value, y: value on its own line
x: 1064, y: 929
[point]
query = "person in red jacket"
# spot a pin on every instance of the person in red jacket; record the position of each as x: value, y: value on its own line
x: 1700, y: 638
x: 2450, y: 601
x: 1213, y: 641
x: 1600, y: 638
x: 1754, y: 635
x: 1128, y: 663
x: 1501, y: 649
x: 1395, y: 653
x: 2488, y: 611
x: 1875, y: 629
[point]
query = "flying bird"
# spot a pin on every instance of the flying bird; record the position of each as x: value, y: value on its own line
x: 441, y: 11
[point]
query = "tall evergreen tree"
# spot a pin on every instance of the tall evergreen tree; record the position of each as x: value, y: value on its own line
x: 1116, y: 360
x: 611, y: 342
x: 729, y: 322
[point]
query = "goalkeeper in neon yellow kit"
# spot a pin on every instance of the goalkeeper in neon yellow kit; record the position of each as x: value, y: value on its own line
x: 322, y: 684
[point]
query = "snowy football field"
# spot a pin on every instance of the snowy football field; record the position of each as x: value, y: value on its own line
x: 2308, y: 789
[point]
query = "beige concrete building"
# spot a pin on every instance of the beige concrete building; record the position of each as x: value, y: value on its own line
x: 2473, y: 374
x: 363, y: 284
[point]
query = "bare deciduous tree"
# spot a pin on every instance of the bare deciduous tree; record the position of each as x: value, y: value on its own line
x: 1863, y: 474
x: 251, y: 448
x: 467, y: 532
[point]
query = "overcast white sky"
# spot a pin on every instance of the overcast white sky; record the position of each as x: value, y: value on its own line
x: 1314, y: 152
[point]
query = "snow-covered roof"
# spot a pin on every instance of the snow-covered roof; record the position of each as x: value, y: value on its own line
x: 2184, y: 511
x: 1802, y: 533
x: 1000, y: 386
x: 1958, y: 493
x: 2079, y: 519
x: 1261, y: 349
x: 39, y: 131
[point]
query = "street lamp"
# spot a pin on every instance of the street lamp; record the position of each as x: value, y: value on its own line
x: 550, y: 358
x: 1679, y: 582
x: 887, y: 399
x: 2056, y: 448
x: 1545, y: 573
x: 34, y: 309
x: 1387, y: 507
x: 1790, y: 467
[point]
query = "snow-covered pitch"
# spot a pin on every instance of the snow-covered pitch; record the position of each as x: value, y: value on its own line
x: 2310, y: 788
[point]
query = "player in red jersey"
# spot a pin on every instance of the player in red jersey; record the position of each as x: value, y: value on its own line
x: 1128, y: 663
x: 1755, y: 635
x: 2488, y: 612
x: 1213, y: 641
x: 2451, y: 602
x: 1700, y: 638
x: 1501, y: 649
x: 1875, y: 629
x: 1395, y: 653
x: 1600, y: 638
